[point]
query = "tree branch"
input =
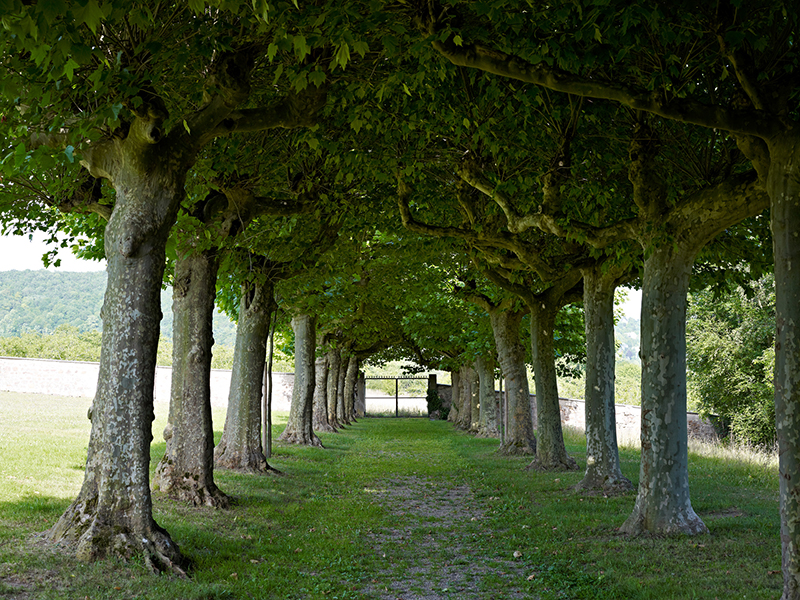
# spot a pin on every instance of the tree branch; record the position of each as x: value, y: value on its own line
x: 476, y: 56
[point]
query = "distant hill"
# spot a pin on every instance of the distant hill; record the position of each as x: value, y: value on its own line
x: 626, y: 333
x: 40, y: 301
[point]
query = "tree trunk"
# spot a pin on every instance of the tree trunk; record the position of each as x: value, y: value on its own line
x: 455, y: 384
x: 112, y: 514
x: 783, y: 185
x: 475, y: 400
x: 334, y: 365
x: 520, y: 439
x: 186, y: 472
x: 320, y: 411
x: 350, y: 380
x: 298, y: 427
x: 240, y: 447
x: 602, y: 455
x: 662, y: 504
x: 464, y: 398
x: 487, y: 425
x: 341, y: 410
x: 551, y: 454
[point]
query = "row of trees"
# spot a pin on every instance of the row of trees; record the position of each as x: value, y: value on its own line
x: 550, y: 153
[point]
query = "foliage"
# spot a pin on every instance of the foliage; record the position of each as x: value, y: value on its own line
x: 730, y: 357
x: 435, y: 403
x: 66, y: 342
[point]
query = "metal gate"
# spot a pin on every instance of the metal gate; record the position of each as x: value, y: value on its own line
x: 397, y: 396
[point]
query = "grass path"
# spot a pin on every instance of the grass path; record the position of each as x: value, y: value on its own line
x: 392, y: 508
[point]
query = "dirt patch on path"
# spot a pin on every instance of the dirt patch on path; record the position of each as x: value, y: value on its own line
x: 438, y: 546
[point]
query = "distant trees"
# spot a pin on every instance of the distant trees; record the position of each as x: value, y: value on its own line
x: 731, y: 357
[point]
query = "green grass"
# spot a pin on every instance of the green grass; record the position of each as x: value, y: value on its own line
x: 311, y: 532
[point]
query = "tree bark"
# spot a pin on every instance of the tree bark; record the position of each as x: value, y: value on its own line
x: 341, y: 410
x: 319, y: 420
x: 464, y: 398
x: 112, y: 514
x: 520, y: 439
x: 475, y: 400
x: 240, y: 446
x: 334, y: 366
x: 551, y: 453
x: 455, y: 384
x: 602, y: 455
x: 186, y: 472
x: 350, y: 380
x: 662, y: 504
x: 783, y: 186
x: 298, y: 427
x: 487, y: 426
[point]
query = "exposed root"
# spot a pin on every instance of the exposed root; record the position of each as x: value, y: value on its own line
x: 608, y: 486
x: 516, y: 449
x: 300, y: 438
x: 565, y: 463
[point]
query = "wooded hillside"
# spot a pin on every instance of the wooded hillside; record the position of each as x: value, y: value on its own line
x: 40, y: 301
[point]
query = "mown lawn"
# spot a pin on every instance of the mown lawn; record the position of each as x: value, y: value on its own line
x: 311, y: 533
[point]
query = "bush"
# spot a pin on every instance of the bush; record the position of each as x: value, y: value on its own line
x: 435, y: 403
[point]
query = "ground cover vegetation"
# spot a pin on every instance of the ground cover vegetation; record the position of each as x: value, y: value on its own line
x: 392, y: 507
x: 259, y: 155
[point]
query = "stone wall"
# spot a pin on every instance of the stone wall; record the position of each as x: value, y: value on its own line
x: 69, y: 378
x: 573, y: 414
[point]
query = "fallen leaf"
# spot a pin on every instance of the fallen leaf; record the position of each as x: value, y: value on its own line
x: 517, y: 554
x: 531, y: 577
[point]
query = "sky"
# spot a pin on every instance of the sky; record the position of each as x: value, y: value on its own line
x: 18, y: 253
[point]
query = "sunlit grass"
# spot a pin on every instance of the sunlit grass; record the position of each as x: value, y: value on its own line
x: 304, y: 534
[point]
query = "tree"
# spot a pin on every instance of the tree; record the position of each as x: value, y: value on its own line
x: 754, y: 43
x: 730, y: 356
x: 299, y: 426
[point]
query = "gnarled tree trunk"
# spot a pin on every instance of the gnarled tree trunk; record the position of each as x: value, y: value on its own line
x: 602, y: 455
x: 112, y: 514
x: 186, y: 471
x: 298, y: 427
x: 663, y: 504
x: 240, y: 446
x: 551, y: 454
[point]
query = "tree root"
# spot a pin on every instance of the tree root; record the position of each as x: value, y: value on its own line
x: 516, y: 449
x: 565, y: 463
x: 608, y: 486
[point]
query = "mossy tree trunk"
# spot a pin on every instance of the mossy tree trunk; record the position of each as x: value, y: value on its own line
x: 350, y: 381
x: 299, y: 425
x: 341, y: 409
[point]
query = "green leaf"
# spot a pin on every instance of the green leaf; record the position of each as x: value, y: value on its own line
x: 406, y: 90
x: 342, y: 56
x: 186, y: 127
x: 301, y: 48
x: 69, y: 69
x: 91, y: 15
x: 197, y: 6
x: 68, y: 151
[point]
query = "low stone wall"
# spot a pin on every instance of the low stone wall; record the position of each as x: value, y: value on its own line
x: 70, y: 378
x: 629, y: 418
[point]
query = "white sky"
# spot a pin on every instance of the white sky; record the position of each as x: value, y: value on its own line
x: 633, y: 304
x: 18, y: 253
